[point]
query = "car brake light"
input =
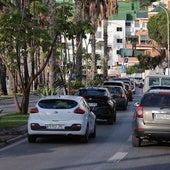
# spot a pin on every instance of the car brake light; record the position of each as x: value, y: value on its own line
x: 79, y: 111
x: 35, y: 126
x: 34, y: 110
x: 139, y: 113
x: 164, y: 92
x: 76, y: 126
x: 122, y: 95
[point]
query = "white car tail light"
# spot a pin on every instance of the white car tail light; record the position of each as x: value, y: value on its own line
x: 79, y: 111
x: 34, y: 110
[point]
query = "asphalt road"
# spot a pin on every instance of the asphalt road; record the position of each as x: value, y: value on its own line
x: 8, y: 106
x: 110, y: 150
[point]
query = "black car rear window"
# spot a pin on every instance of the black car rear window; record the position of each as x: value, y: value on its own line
x: 113, y: 83
x: 92, y: 92
x: 57, y: 104
x: 156, y: 100
x: 114, y: 90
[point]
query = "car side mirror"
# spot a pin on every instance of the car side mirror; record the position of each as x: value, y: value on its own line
x: 136, y: 104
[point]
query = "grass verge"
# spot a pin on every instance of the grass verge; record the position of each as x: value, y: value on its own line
x: 14, y: 120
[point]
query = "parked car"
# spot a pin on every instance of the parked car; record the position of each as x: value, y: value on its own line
x: 61, y: 115
x: 119, y: 95
x: 151, y: 118
x: 100, y: 101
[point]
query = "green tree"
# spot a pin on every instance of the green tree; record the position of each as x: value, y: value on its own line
x: 157, y: 28
x: 148, y: 62
x: 20, y: 37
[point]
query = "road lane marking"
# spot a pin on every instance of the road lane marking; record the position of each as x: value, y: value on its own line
x: 13, y: 144
x: 117, y: 157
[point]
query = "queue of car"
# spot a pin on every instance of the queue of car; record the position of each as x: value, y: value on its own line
x: 76, y: 115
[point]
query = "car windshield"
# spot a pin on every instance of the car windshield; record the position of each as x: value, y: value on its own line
x: 57, y: 104
x: 92, y: 92
x: 156, y: 100
x: 165, y: 81
x: 153, y: 81
x: 114, y: 90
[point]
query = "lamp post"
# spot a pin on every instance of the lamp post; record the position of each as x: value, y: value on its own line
x: 167, y: 35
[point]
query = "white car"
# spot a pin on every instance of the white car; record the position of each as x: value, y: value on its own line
x: 65, y: 115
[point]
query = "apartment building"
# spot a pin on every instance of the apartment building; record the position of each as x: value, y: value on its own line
x: 121, y: 37
x: 128, y: 35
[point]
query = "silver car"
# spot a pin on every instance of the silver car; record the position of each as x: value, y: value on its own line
x: 151, y: 120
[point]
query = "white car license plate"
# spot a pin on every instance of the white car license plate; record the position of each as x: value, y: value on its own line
x: 162, y: 116
x: 92, y: 104
x: 55, y: 126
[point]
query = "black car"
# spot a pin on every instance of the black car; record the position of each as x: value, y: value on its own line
x: 100, y: 101
x: 119, y: 95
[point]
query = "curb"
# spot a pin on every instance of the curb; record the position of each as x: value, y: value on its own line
x: 23, y: 134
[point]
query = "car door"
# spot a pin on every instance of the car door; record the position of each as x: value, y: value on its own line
x: 91, y: 118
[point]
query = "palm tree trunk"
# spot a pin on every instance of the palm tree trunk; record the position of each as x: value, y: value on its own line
x: 106, y: 57
x: 94, y: 60
x: 52, y: 60
x: 78, y: 18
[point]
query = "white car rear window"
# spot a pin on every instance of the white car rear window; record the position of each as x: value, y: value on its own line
x: 57, y: 104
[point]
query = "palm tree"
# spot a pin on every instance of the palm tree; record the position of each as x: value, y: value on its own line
x: 110, y: 7
x: 96, y: 11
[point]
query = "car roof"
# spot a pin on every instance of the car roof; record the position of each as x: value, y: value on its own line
x: 109, y: 85
x: 69, y: 97
x: 93, y: 88
x: 158, y: 90
x: 159, y: 87
x: 114, y: 81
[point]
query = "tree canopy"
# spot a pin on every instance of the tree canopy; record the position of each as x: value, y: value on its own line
x: 157, y: 28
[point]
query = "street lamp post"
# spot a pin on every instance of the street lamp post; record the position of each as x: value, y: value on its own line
x: 167, y: 34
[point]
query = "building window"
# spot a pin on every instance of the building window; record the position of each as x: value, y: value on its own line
x: 128, y: 24
x: 119, y: 40
x: 119, y: 29
x: 117, y: 51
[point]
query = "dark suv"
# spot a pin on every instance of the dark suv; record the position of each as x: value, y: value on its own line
x: 100, y: 101
x: 151, y: 120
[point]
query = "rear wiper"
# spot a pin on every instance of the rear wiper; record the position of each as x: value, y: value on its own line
x: 165, y: 107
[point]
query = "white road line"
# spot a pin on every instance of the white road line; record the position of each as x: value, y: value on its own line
x: 117, y: 157
x: 13, y: 144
